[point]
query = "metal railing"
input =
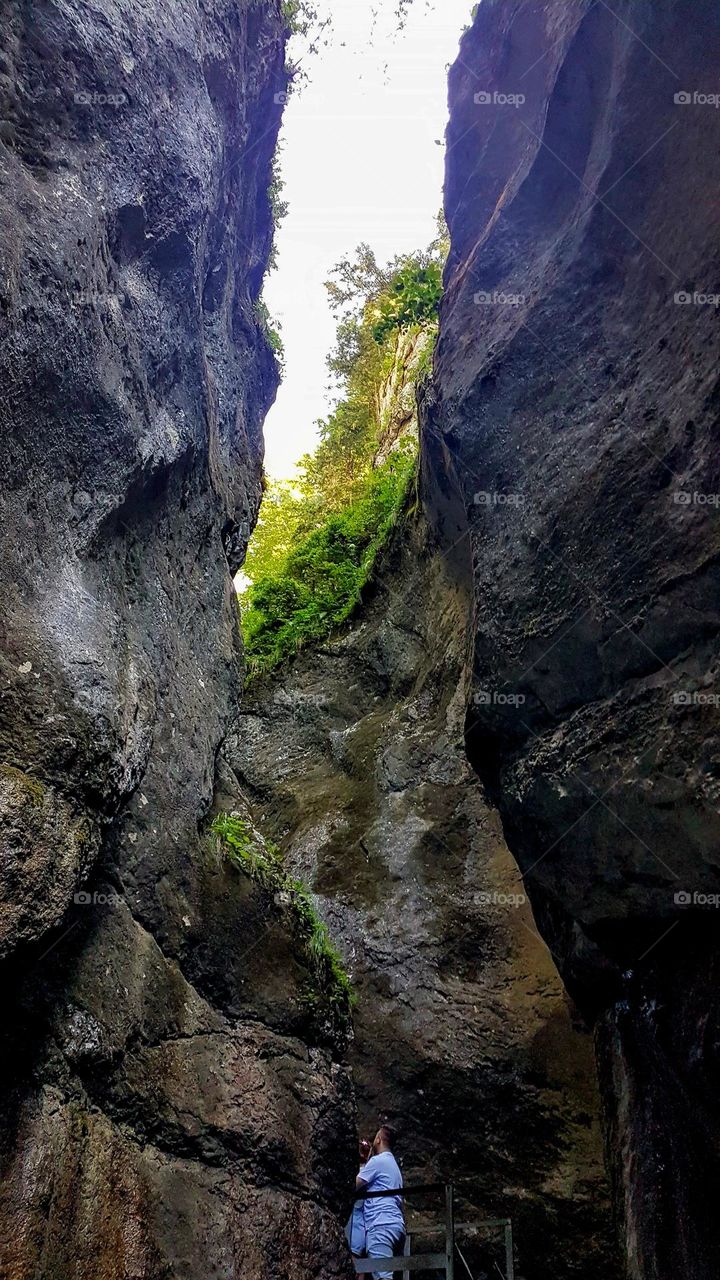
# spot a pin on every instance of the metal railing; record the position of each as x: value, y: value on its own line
x: 445, y: 1261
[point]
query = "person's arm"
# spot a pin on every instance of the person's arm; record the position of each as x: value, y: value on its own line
x: 364, y: 1180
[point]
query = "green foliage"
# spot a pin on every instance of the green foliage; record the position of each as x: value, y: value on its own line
x: 261, y: 860
x: 319, y: 537
x: 359, y: 286
x: 358, y: 279
x: 298, y: 16
x: 412, y: 299
x: 33, y: 790
x: 276, y: 532
x: 272, y: 333
x: 308, y: 30
x: 258, y: 859
x: 321, y: 947
x: 278, y: 206
x: 439, y: 247
x: 322, y: 578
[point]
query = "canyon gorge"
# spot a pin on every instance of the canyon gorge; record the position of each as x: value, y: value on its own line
x: 499, y: 779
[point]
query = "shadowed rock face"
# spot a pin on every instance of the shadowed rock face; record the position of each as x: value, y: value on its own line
x: 577, y: 405
x: 170, y: 1106
x: 353, y: 759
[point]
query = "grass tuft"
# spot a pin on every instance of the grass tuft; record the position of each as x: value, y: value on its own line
x: 262, y: 861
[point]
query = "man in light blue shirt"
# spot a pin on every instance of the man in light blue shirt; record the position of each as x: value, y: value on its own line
x: 384, y: 1220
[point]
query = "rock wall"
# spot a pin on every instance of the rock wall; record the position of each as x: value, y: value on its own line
x: 353, y: 759
x: 396, y: 407
x: 577, y: 407
x: 170, y: 1107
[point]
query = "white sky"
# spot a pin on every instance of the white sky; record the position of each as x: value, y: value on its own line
x: 360, y: 161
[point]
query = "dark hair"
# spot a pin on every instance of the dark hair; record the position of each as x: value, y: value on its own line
x: 388, y: 1136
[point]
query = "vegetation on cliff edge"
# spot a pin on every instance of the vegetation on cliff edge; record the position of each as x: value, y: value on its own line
x: 318, y: 538
x: 261, y: 860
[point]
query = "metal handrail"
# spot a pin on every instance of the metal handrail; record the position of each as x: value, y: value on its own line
x: 401, y: 1191
x: 444, y: 1261
x: 416, y: 1262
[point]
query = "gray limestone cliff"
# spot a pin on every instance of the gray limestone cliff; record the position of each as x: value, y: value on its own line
x: 353, y: 759
x: 170, y: 1106
x: 525, y: 704
x: 576, y: 409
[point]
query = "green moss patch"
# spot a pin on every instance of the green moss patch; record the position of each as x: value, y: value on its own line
x: 33, y: 789
x: 262, y: 861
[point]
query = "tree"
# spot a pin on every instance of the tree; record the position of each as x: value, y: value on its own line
x: 319, y: 536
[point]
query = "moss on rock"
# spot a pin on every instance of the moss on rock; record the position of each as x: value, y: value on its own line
x: 262, y: 861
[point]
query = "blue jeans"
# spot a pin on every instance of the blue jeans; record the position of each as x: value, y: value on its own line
x: 384, y: 1242
x: 355, y: 1230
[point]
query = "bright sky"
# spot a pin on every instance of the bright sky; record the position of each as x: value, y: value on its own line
x: 361, y: 162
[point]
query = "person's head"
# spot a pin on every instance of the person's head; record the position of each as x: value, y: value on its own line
x: 364, y: 1149
x: 384, y: 1139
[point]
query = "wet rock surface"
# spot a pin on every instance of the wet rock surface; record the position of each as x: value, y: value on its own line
x: 171, y: 1106
x: 353, y: 759
x: 577, y: 405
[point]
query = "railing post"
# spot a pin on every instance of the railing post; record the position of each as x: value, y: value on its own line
x: 449, y: 1233
x: 406, y: 1254
x: 509, y: 1260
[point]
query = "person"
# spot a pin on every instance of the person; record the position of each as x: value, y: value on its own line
x: 355, y: 1229
x: 384, y: 1220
